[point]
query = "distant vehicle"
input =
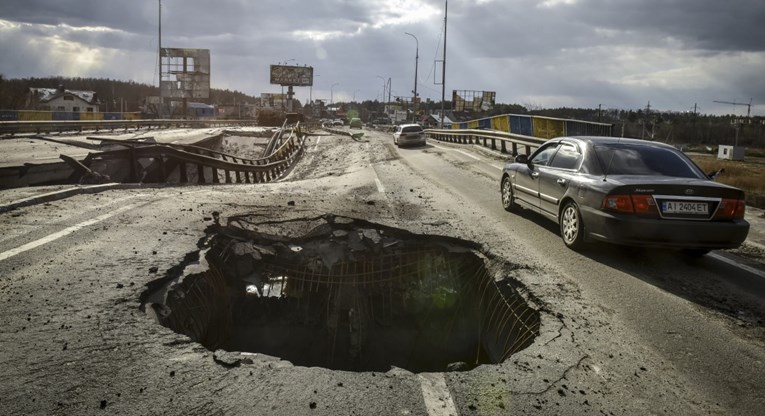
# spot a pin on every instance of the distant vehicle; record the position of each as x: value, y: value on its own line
x: 408, y: 134
x: 625, y: 191
x: 355, y: 123
x: 338, y: 122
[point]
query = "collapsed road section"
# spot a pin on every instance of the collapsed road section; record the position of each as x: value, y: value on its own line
x: 346, y: 294
x: 148, y: 160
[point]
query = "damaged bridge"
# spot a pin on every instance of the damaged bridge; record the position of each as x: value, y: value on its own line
x: 145, y: 160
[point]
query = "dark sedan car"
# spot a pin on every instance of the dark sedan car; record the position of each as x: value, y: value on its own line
x: 625, y: 191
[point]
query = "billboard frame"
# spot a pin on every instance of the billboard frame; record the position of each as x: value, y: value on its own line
x: 185, y: 73
x: 291, y: 75
x: 473, y: 100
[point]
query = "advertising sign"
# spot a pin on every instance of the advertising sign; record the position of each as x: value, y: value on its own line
x: 297, y: 76
x: 473, y: 101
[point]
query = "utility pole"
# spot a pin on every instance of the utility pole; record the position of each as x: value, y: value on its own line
x: 443, y: 73
x: 416, y: 63
x: 332, y: 93
x: 737, y: 122
x: 748, y: 106
x: 389, y: 92
x: 645, y: 120
x: 159, y: 55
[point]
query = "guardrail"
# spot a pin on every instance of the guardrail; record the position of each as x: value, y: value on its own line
x: 61, y: 126
x: 355, y: 136
x: 146, y: 161
x: 496, y: 140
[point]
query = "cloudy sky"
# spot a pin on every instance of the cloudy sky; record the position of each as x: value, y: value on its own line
x: 545, y: 53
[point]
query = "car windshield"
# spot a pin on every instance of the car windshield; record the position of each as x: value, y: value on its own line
x: 411, y: 129
x: 631, y: 159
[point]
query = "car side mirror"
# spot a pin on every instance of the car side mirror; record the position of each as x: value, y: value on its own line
x: 713, y: 175
x: 522, y: 159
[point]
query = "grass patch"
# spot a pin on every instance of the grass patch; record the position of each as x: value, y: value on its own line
x: 746, y: 175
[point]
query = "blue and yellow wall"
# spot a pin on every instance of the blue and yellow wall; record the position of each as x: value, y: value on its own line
x: 537, y: 126
x: 27, y: 115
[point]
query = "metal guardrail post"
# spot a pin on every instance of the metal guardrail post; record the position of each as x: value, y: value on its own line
x: 487, y: 138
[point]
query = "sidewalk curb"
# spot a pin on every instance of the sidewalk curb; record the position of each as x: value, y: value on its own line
x: 66, y: 193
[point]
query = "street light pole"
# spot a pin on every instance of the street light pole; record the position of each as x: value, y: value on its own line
x: 385, y: 82
x: 310, y: 90
x: 416, y: 63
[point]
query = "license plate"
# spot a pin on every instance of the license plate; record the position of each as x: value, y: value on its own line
x: 684, y: 207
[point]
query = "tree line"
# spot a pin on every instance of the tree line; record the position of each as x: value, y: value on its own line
x: 113, y: 94
x: 666, y: 126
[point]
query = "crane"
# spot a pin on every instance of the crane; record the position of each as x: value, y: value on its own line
x: 748, y: 106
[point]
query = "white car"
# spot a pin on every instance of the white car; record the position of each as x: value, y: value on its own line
x: 409, y: 135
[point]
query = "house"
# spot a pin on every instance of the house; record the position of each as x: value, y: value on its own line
x: 62, y: 99
x: 434, y: 121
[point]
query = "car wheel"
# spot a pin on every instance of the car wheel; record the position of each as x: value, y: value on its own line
x: 508, y: 201
x: 571, y: 226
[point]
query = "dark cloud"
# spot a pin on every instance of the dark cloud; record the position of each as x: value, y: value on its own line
x: 555, y: 52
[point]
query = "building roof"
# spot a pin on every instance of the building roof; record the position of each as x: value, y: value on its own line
x: 437, y: 118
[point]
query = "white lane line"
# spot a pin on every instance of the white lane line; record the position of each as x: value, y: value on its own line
x: 466, y: 154
x: 62, y: 233
x: 318, y: 139
x: 380, y: 187
x: 436, y: 394
x: 751, y: 270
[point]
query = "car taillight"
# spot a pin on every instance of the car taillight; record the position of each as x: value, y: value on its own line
x: 731, y: 209
x: 631, y: 204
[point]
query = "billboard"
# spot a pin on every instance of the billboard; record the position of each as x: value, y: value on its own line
x: 473, y: 101
x: 185, y: 73
x: 297, y: 76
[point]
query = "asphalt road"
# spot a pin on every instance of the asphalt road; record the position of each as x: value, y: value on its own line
x: 623, y: 331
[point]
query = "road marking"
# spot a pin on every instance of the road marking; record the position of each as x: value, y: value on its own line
x: 436, y: 394
x: 380, y: 187
x: 466, y: 154
x: 318, y: 139
x: 55, y: 236
x: 752, y: 270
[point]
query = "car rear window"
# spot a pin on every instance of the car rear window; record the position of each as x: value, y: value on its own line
x: 411, y: 129
x: 631, y: 159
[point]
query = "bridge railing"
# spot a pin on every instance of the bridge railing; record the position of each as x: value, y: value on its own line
x: 198, y: 164
x: 507, y: 143
x: 61, y: 126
